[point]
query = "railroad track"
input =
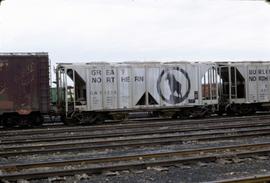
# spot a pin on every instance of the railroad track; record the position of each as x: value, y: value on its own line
x: 126, y: 137
x: 129, y: 142
x: 126, y: 162
x: 177, y: 128
x: 130, y: 124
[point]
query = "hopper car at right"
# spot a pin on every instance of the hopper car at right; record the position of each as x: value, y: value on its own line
x: 244, y: 87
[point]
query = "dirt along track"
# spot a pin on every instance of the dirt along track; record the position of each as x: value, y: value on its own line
x: 97, y: 149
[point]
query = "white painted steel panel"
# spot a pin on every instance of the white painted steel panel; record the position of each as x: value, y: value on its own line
x: 109, y: 87
x: 95, y: 89
x: 242, y: 69
x: 204, y: 68
x: 124, y: 87
x: 81, y: 71
x: 134, y: 85
x: 252, y: 83
x: 138, y: 86
x: 263, y: 83
x: 153, y: 72
x: 192, y: 70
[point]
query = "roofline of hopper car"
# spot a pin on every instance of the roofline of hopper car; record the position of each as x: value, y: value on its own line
x: 121, y: 64
x: 83, y: 63
x: 242, y: 62
x: 219, y: 63
x: 132, y: 62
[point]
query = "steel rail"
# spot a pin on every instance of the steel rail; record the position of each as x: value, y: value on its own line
x: 129, y: 125
x: 120, y: 143
x: 142, y: 161
x: 20, y: 140
x: 249, y: 179
x: 105, y: 159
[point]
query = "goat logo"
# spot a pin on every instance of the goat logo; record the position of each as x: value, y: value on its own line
x: 171, y: 90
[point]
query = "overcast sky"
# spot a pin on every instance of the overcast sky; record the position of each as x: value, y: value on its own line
x: 123, y: 30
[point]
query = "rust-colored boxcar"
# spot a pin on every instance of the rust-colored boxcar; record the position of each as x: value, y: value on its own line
x: 24, y: 84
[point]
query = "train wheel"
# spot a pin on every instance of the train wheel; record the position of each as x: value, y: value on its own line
x: 231, y: 110
x: 77, y: 118
x: 91, y: 118
x: 204, y: 112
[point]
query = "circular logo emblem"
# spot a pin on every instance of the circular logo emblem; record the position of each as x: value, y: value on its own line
x: 172, y: 90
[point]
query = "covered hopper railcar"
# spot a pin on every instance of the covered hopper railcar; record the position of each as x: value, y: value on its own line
x: 98, y: 91
x: 24, y: 88
x: 244, y: 88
